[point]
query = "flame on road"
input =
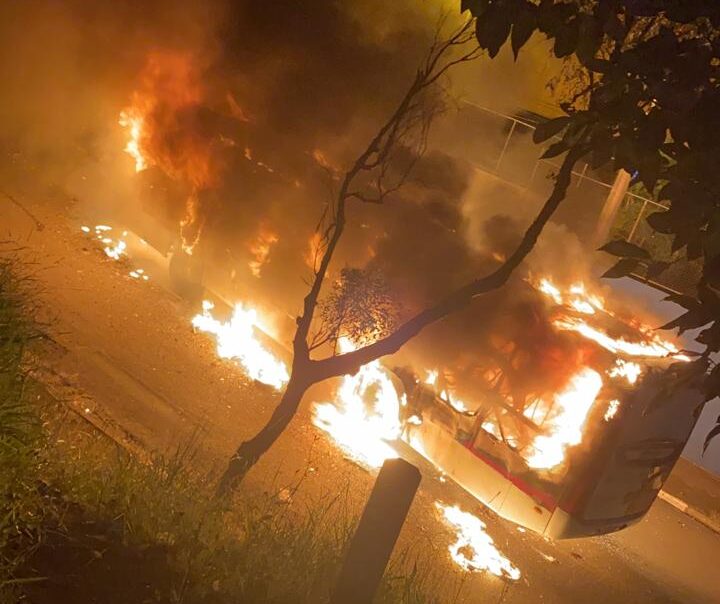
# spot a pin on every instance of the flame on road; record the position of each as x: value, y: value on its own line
x: 114, y: 247
x: 474, y: 549
x: 365, y: 416
x: 237, y: 340
x: 564, y: 425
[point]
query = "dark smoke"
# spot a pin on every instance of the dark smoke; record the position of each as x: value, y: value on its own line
x: 290, y: 82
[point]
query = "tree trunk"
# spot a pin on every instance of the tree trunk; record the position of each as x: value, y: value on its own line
x: 250, y: 451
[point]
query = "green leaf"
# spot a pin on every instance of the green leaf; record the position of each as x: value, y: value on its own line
x: 712, y: 434
x: 712, y: 384
x: 590, y: 38
x: 625, y: 249
x: 474, y: 6
x: 566, y: 39
x: 711, y: 272
x: 692, y: 319
x: 554, y: 150
x: 712, y: 237
x: 623, y: 268
x: 650, y: 168
x: 522, y: 29
x: 601, y: 153
x: 550, y: 128
x: 710, y: 337
x: 492, y: 29
x: 662, y: 222
x: 655, y: 269
x: 695, y: 247
x: 678, y: 242
x: 687, y: 302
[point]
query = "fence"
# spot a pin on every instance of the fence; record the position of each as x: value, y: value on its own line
x: 508, y: 153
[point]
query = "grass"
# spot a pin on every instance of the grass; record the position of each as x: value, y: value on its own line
x: 22, y: 510
x: 82, y: 520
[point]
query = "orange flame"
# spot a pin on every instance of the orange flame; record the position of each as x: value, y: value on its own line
x: 565, y: 423
x: 366, y: 415
x: 314, y: 252
x: 237, y: 339
x: 166, y: 129
x: 260, y: 248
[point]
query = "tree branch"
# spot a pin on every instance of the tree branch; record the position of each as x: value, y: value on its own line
x: 351, y: 361
x: 374, y: 155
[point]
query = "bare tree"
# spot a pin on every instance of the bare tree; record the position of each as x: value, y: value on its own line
x: 378, y: 171
x: 360, y: 307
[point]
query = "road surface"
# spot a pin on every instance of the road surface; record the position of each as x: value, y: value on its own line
x: 124, y: 354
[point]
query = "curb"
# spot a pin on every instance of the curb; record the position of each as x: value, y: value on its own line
x: 685, y: 508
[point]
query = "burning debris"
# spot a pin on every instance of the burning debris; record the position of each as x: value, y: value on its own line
x: 626, y: 369
x: 474, y: 549
x: 139, y: 274
x: 114, y: 248
x: 612, y: 410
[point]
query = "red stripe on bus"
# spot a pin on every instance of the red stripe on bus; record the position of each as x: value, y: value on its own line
x: 547, y: 500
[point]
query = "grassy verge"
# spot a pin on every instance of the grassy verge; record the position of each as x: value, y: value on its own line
x: 83, y: 521
x: 21, y: 514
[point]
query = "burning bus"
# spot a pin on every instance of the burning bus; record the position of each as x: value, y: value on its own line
x: 561, y: 416
x: 580, y: 448
x: 587, y: 458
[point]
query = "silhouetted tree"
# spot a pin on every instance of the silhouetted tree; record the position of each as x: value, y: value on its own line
x: 647, y: 100
x: 379, y: 170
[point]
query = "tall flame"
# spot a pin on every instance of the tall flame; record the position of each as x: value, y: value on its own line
x: 366, y: 415
x: 133, y: 122
x: 259, y: 249
x: 236, y: 339
x: 165, y: 129
x: 567, y: 417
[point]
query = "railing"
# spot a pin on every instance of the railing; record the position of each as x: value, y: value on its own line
x: 514, y: 158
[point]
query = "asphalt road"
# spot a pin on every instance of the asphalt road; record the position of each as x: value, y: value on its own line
x: 126, y: 357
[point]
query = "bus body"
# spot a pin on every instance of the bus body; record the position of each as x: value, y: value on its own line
x: 606, y: 484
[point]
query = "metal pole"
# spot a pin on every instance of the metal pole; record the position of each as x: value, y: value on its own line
x: 581, y: 176
x: 377, y: 533
x: 612, y: 204
x: 505, y: 146
x: 631, y: 234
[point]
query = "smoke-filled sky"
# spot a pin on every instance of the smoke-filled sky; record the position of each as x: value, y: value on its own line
x: 296, y: 88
